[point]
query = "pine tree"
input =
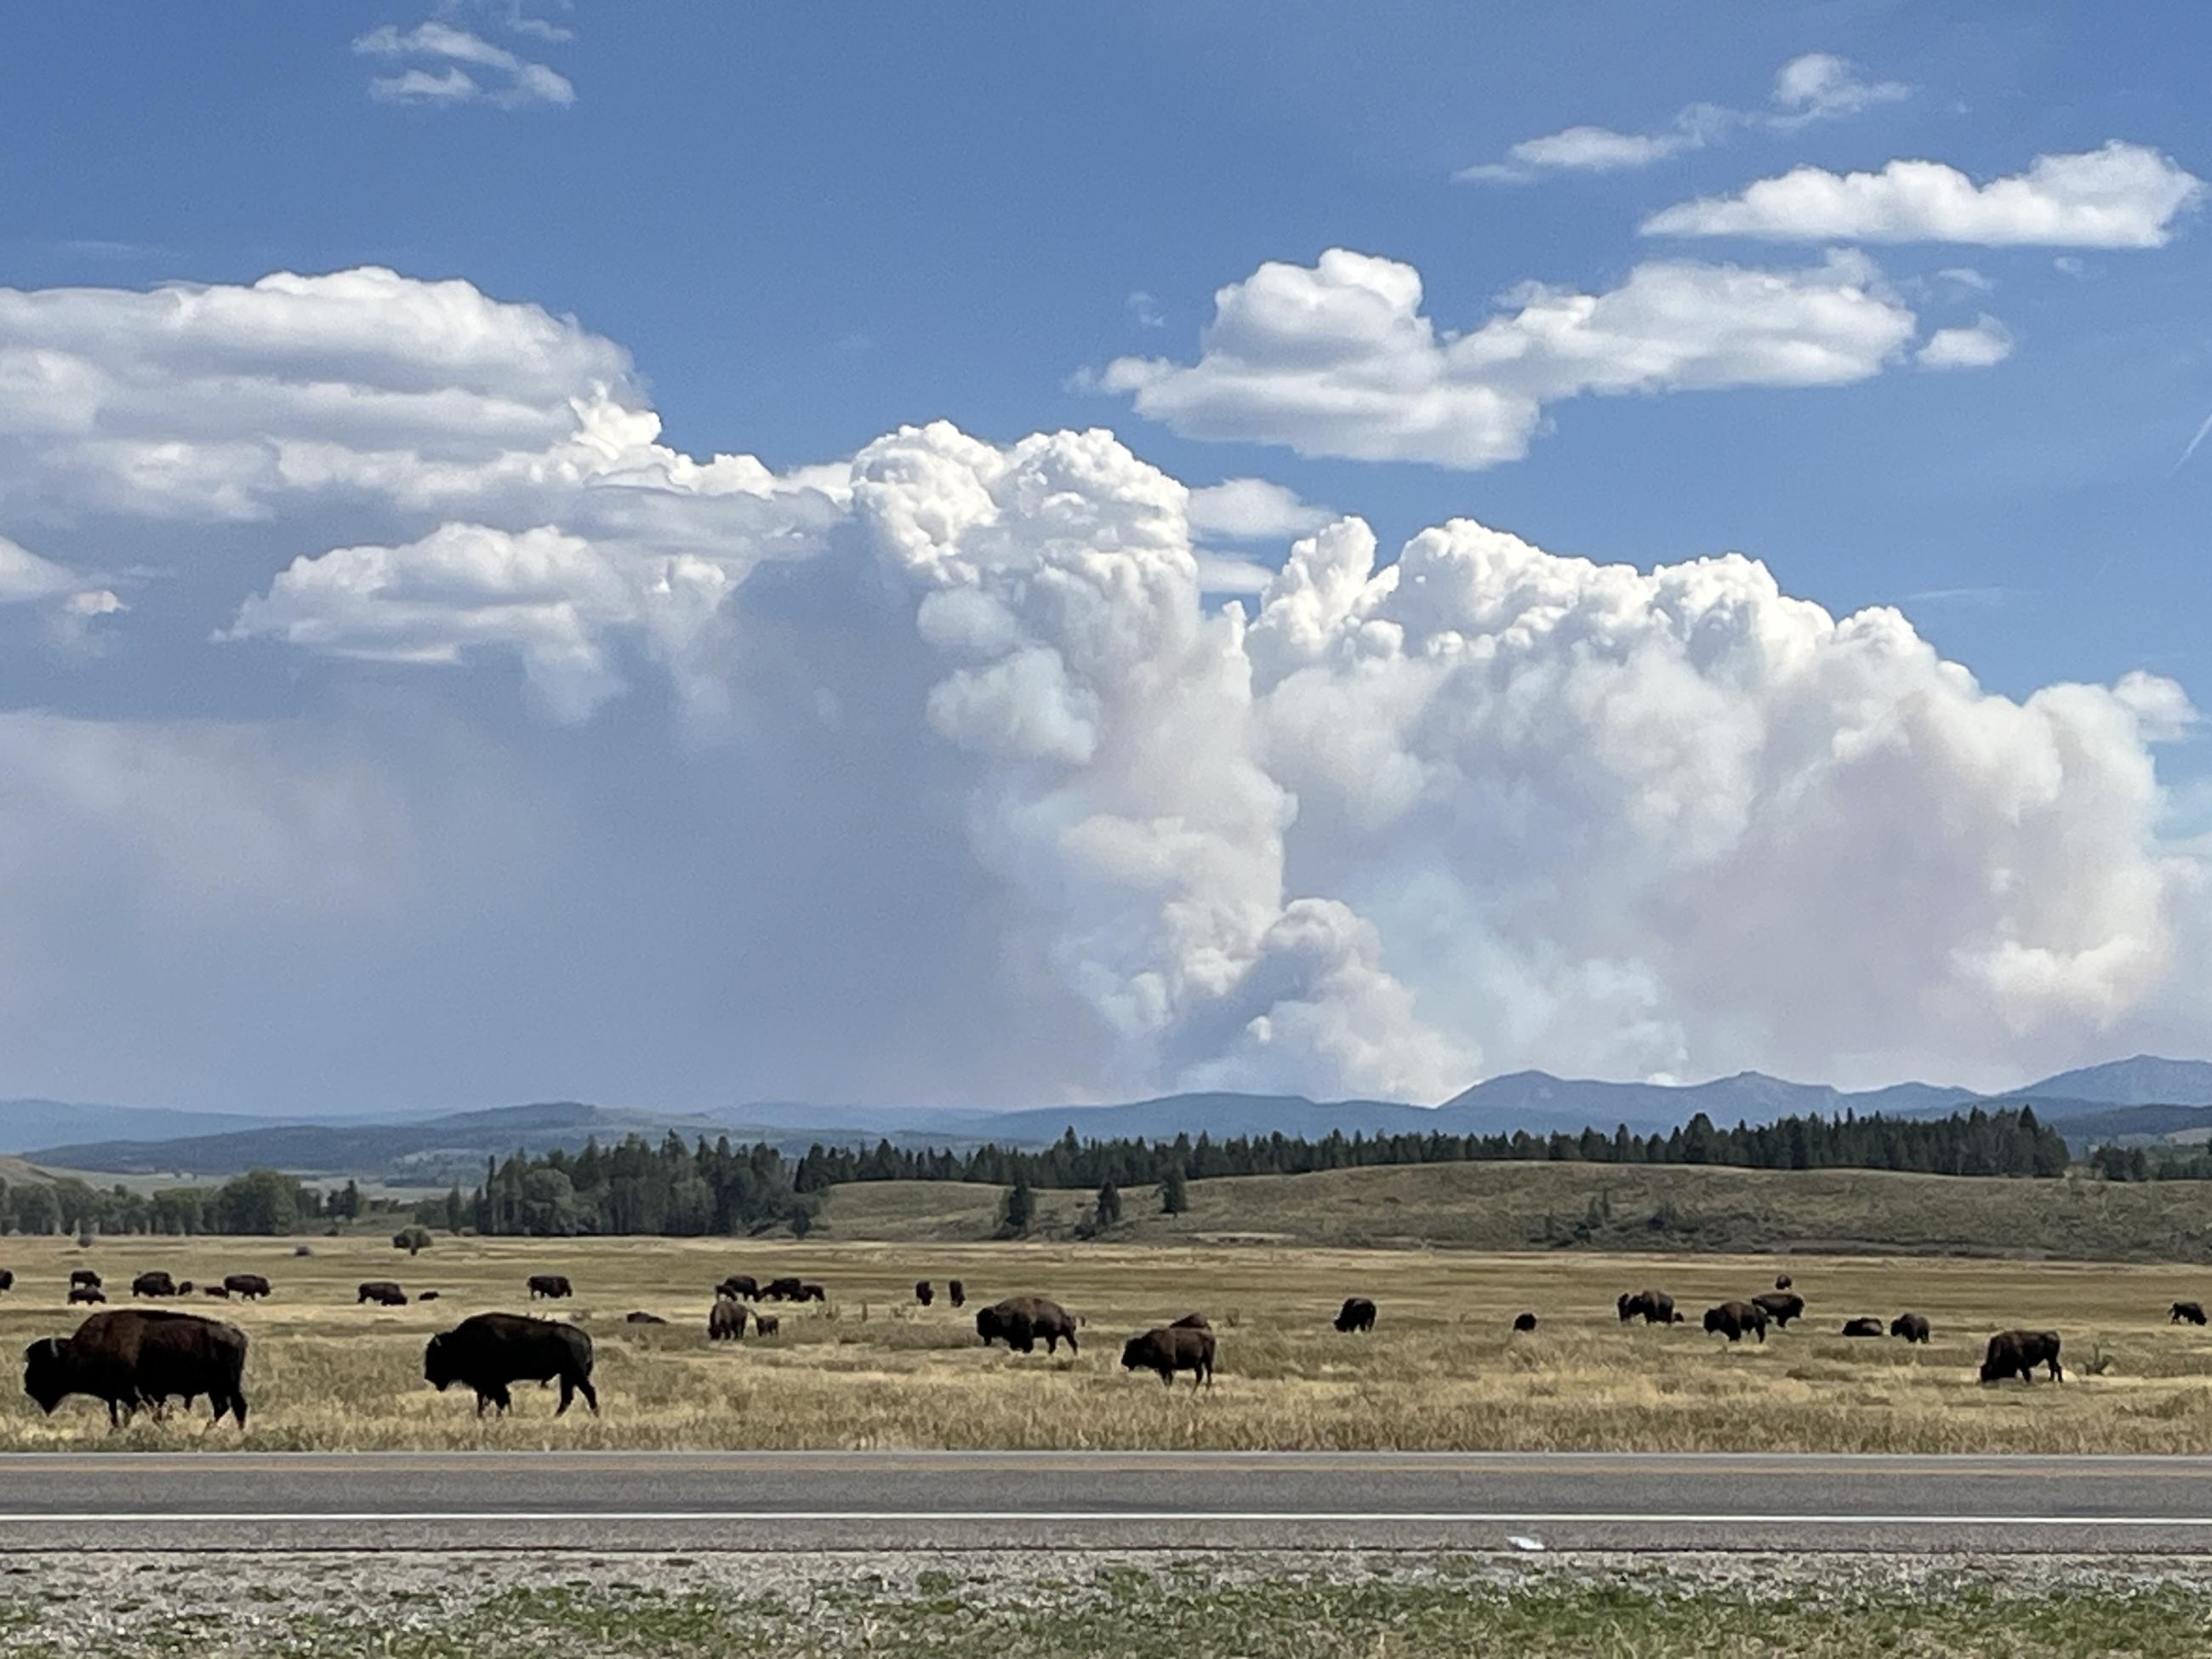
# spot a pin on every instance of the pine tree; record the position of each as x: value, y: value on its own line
x: 1110, y: 1205
x: 1175, y: 1196
x: 1017, y: 1212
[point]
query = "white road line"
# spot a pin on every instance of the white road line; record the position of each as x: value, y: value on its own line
x: 1439, y: 1517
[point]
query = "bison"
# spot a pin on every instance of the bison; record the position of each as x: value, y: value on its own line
x: 739, y: 1284
x: 1020, y: 1320
x: 2191, y: 1311
x: 956, y: 1292
x: 382, y: 1291
x: 84, y: 1296
x: 1912, y: 1327
x: 86, y: 1277
x: 726, y: 1320
x: 425, y: 1296
x: 549, y: 1284
x: 1733, y: 1319
x: 781, y: 1290
x: 251, y: 1286
x: 1524, y: 1321
x: 488, y: 1351
x: 7, y: 1279
x: 642, y: 1318
x: 1358, y: 1314
x: 766, y: 1324
x: 1169, y: 1349
x: 138, y: 1357
x: 222, y: 1291
x: 1782, y: 1281
x: 1862, y: 1327
x: 156, y: 1283
x: 811, y: 1292
x: 924, y: 1293
x: 2017, y: 1353
x: 1653, y: 1307
x: 1780, y: 1306
x: 1191, y: 1321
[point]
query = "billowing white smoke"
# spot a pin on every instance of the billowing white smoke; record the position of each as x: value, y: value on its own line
x: 964, y: 705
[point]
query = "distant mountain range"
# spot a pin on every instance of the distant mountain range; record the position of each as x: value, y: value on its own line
x: 2143, y: 1097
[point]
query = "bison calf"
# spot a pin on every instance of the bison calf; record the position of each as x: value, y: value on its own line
x: 767, y: 1324
x: 1169, y: 1349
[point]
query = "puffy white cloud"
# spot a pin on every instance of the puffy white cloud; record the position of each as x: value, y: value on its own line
x: 1252, y: 510
x: 2121, y: 196
x: 1817, y: 87
x: 984, y: 759
x: 1984, y: 343
x: 1338, y: 359
x: 522, y: 82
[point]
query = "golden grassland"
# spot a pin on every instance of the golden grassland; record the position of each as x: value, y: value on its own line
x: 1441, y: 1370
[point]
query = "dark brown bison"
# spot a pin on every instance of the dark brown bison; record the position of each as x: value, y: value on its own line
x: 643, y: 1318
x: 1192, y: 1321
x: 251, y: 1286
x: 924, y: 1292
x: 549, y: 1284
x: 956, y: 1292
x: 222, y: 1291
x: 1780, y: 1306
x: 1912, y: 1327
x: 1169, y: 1349
x: 138, y: 1357
x: 1021, y: 1322
x: 726, y: 1320
x: 7, y: 1279
x: 488, y: 1351
x: 739, y: 1284
x: 156, y: 1283
x: 1733, y: 1319
x: 382, y: 1291
x: 781, y: 1290
x: 1524, y: 1321
x: 1653, y: 1307
x: 1862, y: 1327
x: 811, y: 1292
x: 1358, y: 1314
x: 84, y: 1296
x: 1782, y: 1281
x: 766, y: 1324
x: 2193, y: 1312
x: 2017, y: 1353
x: 86, y: 1277
x: 425, y: 1296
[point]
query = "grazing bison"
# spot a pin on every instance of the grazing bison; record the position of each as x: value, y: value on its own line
x: 726, y: 1320
x: 1653, y: 1307
x: 1524, y: 1321
x: 641, y: 1318
x: 488, y: 1351
x: 84, y: 1296
x: 426, y: 1296
x: 86, y: 1277
x: 811, y: 1292
x: 251, y: 1286
x: 1912, y: 1327
x: 1020, y: 1320
x: 1358, y: 1314
x: 2017, y: 1353
x: 156, y: 1282
x: 1782, y: 1281
x: 781, y: 1290
x: 924, y: 1293
x: 7, y: 1279
x: 222, y: 1291
x: 2191, y: 1311
x: 956, y: 1292
x: 138, y: 1357
x: 1780, y: 1306
x: 1862, y: 1327
x: 1192, y: 1321
x: 1733, y: 1319
x: 382, y: 1291
x: 1169, y: 1349
x: 766, y: 1324
x: 739, y: 1284
x: 552, y: 1284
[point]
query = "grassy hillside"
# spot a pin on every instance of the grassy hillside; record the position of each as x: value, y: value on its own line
x: 1516, y: 1206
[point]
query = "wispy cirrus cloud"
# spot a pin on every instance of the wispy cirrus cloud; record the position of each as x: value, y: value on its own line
x: 1816, y: 86
x: 510, y: 80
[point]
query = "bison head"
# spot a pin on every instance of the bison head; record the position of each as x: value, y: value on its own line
x: 1137, y: 1353
x: 440, y: 1366
x: 986, y: 1325
x: 46, y: 1373
x: 1716, y: 1320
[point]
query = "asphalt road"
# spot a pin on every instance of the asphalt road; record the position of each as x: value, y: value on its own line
x: 1101, y: 1500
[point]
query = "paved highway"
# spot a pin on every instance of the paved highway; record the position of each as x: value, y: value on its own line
x: 1100, y: 1500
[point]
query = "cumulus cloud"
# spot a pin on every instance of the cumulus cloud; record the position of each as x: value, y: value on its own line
x: 992, y: 781
x: 1338, y: 359
x: 1252, y: 510
x: 1817, y: 87
x: 2121, y: 196
x: 1982, y: 344
x: 519, y: 82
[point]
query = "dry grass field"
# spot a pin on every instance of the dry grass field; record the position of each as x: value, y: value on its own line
x: 1442, y: 1370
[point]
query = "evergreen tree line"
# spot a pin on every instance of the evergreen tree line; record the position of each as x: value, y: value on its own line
x: 260, y: 1201
x: 2151, y: 1163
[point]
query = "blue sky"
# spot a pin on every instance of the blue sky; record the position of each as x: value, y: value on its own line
x: 790, y: 231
